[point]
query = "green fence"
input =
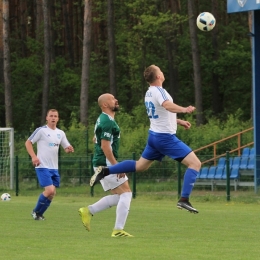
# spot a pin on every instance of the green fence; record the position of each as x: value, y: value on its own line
x: 76, y: 171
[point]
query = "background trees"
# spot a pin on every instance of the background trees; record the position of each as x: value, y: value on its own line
x: 7, y: 66
x: 140, y: 33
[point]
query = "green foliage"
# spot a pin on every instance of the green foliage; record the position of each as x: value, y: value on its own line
x: 64, y: 94
x: 134, y: 131
x: 27, y: 75
x: 142, y: 31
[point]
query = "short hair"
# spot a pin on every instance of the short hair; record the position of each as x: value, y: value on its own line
x: 52, y: 110
x: 150, y: 74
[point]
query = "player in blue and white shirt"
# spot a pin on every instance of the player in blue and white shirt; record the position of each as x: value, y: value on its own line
x: 162, y: 140
x: 48, y: 139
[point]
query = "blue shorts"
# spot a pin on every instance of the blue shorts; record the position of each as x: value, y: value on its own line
x: 47, y: 177
x: 160, y: 145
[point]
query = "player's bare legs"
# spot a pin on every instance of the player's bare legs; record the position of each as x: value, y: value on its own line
x: 142, y: 164
x: 192, y: 161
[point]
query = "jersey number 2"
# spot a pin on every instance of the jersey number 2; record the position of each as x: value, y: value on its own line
x: 150, y: 108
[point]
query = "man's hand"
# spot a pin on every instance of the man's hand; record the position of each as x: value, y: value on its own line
x: 35, y: 161
x: 69, y: 149
x: 185, y: 124
x: 189, y: 109
x: 121, y: 175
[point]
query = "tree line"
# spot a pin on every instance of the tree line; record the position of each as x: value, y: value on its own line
x: 64, y: 53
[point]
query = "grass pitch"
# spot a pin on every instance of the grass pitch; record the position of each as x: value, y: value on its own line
x: 221, y: 230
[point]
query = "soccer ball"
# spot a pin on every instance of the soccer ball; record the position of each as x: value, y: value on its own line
x: 206, y: 21
x: 5, y: 197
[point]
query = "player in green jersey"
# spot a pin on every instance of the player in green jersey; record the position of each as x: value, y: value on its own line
x: 107, y: 137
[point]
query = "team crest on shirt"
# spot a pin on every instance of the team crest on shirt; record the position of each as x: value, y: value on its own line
x: 58, y: 135
x: 241, y: 2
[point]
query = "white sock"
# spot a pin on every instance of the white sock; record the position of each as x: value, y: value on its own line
x: 104, y: 203
x: 122, y: 210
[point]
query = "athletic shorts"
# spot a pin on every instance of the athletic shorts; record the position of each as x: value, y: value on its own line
x: 111, y: 181
x: 47, y: 177
x: 160, y: 145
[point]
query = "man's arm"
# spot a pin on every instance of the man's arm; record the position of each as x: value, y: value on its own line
x: 185, y: 124
x: 30, y: 150
x: 106, y: 147
x: 174, y: 108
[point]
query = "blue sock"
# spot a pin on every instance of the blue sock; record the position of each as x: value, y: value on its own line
x: 188, y: 182
x: 45, y: 206
x: 41, y: 201
x: 123, y: 167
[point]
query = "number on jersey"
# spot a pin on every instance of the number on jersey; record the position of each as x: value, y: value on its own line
x: 150, y: 108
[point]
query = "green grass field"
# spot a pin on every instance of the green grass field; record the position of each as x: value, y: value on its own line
x: 222, y: 230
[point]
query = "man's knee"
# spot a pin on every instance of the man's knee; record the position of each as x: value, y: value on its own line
x: 50, y: 191
x: 143, y: 164
x: 198, y: 164
x: 124, y: 187
x: 192, y: 161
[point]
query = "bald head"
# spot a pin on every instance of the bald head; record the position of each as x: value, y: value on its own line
x: 103, y: 99
x: 108, y: 103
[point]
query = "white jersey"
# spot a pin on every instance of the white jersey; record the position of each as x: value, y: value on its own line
x: 161, y: 120
x: 48, y: 142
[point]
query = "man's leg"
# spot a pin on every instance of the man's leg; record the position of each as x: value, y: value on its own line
x: 124, y: 166
x: 122, y: 210
x: 106, y: 202
x: 193, y: 164
x: 44, y: 176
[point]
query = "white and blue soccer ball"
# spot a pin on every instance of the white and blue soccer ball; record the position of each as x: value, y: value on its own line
x: 5, y: 197
x: 206, y: 21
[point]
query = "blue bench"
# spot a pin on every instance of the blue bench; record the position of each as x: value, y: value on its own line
x: 240, y: 166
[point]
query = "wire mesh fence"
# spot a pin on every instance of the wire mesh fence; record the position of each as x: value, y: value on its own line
x: 77, y: 171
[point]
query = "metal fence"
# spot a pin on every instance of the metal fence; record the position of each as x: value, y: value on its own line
x: 75, y: 171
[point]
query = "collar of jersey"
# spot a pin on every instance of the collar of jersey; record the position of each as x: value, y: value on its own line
x: 108, y: 115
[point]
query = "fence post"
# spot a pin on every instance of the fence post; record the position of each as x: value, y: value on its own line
x: 91, y: 172
x: 16, y: 176
x: 87, y: 141
x: 59, y: 161
x: 87, y: 147
x: 80, y: 166
x: 179, y: 180
x: 134, y: 180
x: 228, y: 176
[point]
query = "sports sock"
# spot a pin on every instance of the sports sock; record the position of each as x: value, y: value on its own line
x: 124, y: 166
x: 41, y: 201
x: 188, y: 182
x: 45, y: 206
x: 122, y: 210
x: 104, y: 203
